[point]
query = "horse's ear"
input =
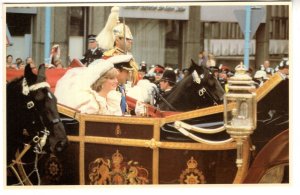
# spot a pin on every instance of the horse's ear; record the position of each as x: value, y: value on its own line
x: 29, y: 75
x: 192, y: 66
x: 41, y: 74
x: 193, y: 63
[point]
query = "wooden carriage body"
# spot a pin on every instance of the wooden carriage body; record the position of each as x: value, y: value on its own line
x: 133, y: 150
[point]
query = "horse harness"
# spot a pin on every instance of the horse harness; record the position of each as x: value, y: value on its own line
x: 38, y: 140
x: 197, y: 79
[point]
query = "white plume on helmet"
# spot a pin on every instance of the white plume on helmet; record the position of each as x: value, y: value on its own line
x: 105, y: 38
x: 141, y: 90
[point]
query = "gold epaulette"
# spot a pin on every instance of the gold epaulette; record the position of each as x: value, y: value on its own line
x: 135, y: 67
x: 109, y: 53
x: 113, y: 52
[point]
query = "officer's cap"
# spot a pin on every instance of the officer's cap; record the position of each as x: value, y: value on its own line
x: 159, y: 69
x: 92, y: 38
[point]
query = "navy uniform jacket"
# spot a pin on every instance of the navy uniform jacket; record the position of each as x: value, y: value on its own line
x: 89, y: 57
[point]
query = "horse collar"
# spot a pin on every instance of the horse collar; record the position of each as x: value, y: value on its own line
x: 26, y: 89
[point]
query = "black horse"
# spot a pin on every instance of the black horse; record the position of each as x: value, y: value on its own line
x: 32, y: 119
x: 199, y: 89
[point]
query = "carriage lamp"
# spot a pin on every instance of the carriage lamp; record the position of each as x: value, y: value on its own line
x: 240, y: 109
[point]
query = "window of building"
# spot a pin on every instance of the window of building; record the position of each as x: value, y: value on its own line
x: 19, y: 24
x: 222, y: 30
x: 173, y: 43
x: 76, y: 21
x: 279, y: 28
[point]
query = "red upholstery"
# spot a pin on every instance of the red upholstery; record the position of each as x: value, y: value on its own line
x: 76, y: 63
x: 52, y: 75
x: 152, y: 111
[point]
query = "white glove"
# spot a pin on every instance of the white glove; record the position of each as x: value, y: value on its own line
x: 140, y: 109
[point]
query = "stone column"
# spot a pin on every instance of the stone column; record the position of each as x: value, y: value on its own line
x: 38, y: 30
x: 59, y: 33
x: 97, y: 18
x: 262, y: 41
x: 192, y: 42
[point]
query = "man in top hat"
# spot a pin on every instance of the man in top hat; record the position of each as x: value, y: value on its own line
x: 93, y: 51
x: 167, y: 82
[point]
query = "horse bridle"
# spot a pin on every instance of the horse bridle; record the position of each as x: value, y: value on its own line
x: 197, y: 79
x: 41, y: 138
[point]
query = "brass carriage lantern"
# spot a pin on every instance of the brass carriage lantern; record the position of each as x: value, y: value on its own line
x: 240, y: 109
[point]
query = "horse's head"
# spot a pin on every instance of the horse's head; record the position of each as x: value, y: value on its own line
x: 43, y: 106
x: 209, y: 83
x: 199, y: 89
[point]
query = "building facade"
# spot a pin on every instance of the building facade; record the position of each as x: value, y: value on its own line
x: 166, y: 35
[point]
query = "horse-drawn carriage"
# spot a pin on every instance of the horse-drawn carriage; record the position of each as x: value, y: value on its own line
x: 150, y: 150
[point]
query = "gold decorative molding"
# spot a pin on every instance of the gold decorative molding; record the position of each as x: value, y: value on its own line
x: 242, y: 171
x: 268, y: 86
x: 196, y: 146
x: 193, y: 114
x: 118, y: 130
x: 192, y: 175
x: 120, y: 119
x: 75, y: 114
x: 103, y: 171
x: 153, y: 144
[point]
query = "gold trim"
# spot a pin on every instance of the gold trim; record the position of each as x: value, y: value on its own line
x: 242, y: 171
x: 118, y: 130
x: 151, y: 143
x: 121, y: 141
x: 21, y: 171
x: 268, y: 86
x: 68, y: 111
x: 196, y: 146
x: 121, y: 119
x: 155, y: 166
x: 81, y: 150
x: 73, y: 138
x: 193, y: 114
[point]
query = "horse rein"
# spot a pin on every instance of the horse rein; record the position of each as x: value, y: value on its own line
x: 166, y: 102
